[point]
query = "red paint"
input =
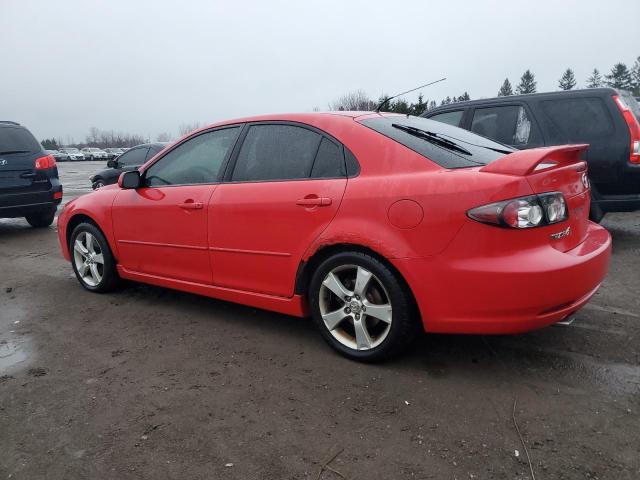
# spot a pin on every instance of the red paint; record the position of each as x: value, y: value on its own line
x: 247, y: 241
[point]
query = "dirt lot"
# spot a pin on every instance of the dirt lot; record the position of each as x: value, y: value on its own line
x: 151, y: 383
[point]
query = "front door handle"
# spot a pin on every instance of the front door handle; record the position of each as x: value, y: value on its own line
x: 191, y: 205
x: 313, y: 201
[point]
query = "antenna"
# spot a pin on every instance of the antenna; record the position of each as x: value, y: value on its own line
x: 384, y: 102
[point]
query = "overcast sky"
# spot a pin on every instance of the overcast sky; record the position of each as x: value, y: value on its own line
x: 147, y: 66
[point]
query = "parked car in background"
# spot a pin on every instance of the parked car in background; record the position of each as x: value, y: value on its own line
x: 129, y: 160
x: 377, y: 225
x: 94, y: 154
x: 74, y: 153
x: 29, y: 184
x: 606, y: 119
x: 58, y: 155
x: 113, y: 152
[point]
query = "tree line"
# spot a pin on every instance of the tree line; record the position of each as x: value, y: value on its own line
x: 620, y: 76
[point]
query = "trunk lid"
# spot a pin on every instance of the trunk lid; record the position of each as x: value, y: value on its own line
x: 18, y: 153
x: 554, y: 169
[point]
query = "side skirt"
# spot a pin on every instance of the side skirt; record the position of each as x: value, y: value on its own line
x: 295, y: 306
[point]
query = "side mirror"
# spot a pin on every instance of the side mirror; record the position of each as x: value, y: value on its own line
x: 128, y: 180
x: 113, y: 163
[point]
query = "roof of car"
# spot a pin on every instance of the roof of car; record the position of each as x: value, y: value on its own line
x: 514, y: 98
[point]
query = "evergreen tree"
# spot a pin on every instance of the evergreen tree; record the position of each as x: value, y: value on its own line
x: 568, y: 80
x: 527, y: 83
x: 595, y: 80
x: 432, y: 104
x: 620, y: 77
x: 419, y: 107
x: 635, y: 77
x: 50, y: 144
x: 505, y: 89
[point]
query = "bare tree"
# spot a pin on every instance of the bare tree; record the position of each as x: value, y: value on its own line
x: 356, y: 101
x: 186, y: 128
x: 163, y: 137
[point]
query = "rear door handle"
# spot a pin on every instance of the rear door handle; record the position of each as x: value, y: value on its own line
x: 314, y: 202
x: 191, y: 205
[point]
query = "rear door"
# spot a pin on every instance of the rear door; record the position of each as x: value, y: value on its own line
x: 284, y: 186
x: 511, y: 124
x: 18, y: 153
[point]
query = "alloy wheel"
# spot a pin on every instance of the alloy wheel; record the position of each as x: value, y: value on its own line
x: 88, y: 259
x: 355, y: 307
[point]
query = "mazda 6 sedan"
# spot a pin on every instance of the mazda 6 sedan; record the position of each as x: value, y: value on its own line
x: 376, y: 225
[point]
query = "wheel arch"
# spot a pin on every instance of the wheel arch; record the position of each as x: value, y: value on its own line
x: 79, y: 218
x: 308, y: 266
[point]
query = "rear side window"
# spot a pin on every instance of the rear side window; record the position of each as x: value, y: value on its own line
x: 509, y: 124
x: 17, y: 139
x: 576, y: 119
x: 197, y: 160
x: 451, y: 118
x: 329, y: 162
x: 135, y: 156
x: 479, y: 150
x: 276, y: 152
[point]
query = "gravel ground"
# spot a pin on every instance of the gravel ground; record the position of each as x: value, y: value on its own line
x: 152, y: 383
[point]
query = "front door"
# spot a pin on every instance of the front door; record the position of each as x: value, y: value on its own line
x: 161, y: 228
x: 286, y: 186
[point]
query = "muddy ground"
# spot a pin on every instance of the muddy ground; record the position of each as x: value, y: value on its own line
x: 151, y: 383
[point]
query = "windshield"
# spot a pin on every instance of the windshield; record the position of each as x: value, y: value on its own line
x: 448, y: 146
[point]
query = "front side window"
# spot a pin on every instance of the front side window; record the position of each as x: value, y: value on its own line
x: 509, y: 124
x: 135, y: 156
x: 276, y: 152
x: 196, y: 161
x: 451, y: 118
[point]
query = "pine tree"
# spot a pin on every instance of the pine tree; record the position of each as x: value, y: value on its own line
x: 505, y: 89
x: 464, y: 97
x: 595, y: 80
x: 635, y: 77
x: 620, y: 77
x: 527, y: 83
x: 568, y: 80
x: 432, y: 104
x: 419, y: 107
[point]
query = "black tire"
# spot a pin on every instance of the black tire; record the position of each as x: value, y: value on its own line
x: 404, y: 326
x: 110, y: 279
x: 91, y: 158
x: 99, y: 183
x: 596, y: 214
x: 41, y: 219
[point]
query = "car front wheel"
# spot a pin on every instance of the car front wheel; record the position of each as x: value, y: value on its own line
x: 361, y: 307
x: 92, y: 260
x: 98, y: 184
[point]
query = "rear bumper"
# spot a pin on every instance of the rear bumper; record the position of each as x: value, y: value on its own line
x: 618, y: 203
x: 20, y: 204
x: 513, y: 293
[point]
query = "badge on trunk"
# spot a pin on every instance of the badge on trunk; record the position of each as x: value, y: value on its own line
x: 562, y: 234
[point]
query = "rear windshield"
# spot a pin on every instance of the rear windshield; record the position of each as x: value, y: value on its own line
x: 17, y: 139
x: 470, y: 150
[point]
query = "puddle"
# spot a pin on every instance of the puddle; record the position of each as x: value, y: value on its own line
x: 15, y: 348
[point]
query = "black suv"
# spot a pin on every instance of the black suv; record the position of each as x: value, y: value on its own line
x: 29, y: 184
x: 605, y: 118
x: 129, y: 160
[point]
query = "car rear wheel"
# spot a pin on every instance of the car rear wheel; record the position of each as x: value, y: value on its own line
x: 361, y: 307
x: 98, y: 184
x: 41, y: 219
x: 92, y: 260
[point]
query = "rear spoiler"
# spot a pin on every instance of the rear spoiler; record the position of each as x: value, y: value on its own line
x: 525, y: 162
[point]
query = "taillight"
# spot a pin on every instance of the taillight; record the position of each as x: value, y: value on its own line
x: 634, y: 128
x: 523, y: 212
x: 45, y: 162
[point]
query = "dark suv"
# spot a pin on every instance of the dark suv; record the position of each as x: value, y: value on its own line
x: 29, y: 184
x: 605, y: 118
x: 129, y: 160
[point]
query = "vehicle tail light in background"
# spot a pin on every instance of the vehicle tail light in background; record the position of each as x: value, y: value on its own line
x: 634, y: 128
x: 57, y: 195
x: 45, y: 162
x: 523, y: 212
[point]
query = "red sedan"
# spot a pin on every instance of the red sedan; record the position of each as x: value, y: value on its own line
x: 377, y: 225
